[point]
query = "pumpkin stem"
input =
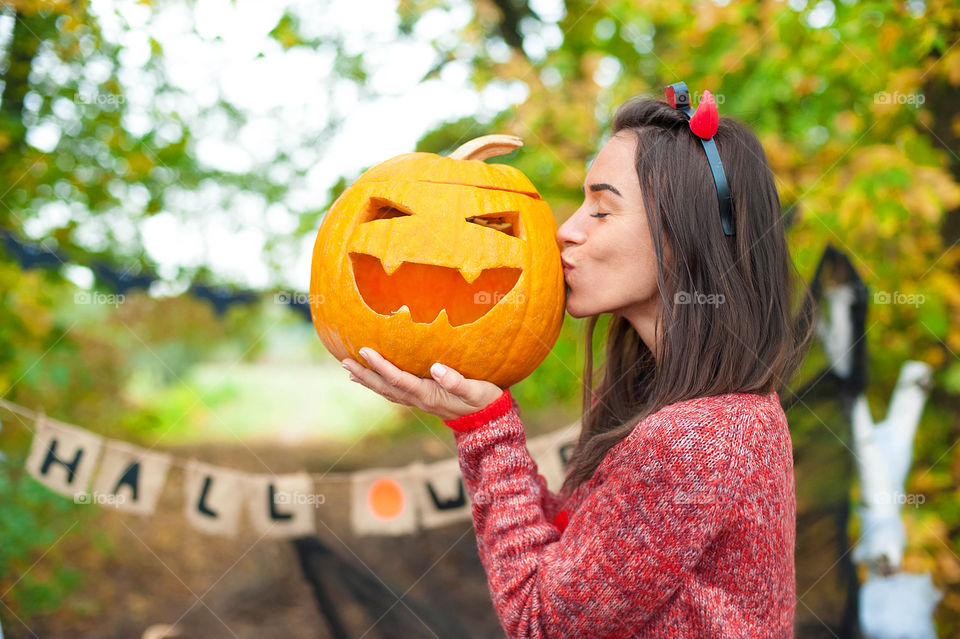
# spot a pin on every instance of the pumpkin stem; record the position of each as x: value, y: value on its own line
x: 487, y: 146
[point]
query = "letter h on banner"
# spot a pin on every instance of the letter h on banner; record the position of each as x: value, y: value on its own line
x: 62, y: 458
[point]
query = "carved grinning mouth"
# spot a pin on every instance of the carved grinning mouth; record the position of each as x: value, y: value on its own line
x: 426, y: 289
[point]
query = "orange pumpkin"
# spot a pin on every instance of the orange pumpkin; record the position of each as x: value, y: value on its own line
x: 441, y: 259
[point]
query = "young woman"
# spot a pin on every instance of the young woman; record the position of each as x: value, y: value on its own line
x: 677, y: 515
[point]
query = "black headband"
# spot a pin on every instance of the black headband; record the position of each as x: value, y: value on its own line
x: 704, y: 122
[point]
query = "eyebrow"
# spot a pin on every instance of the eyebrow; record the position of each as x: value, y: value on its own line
x: 603, y: 187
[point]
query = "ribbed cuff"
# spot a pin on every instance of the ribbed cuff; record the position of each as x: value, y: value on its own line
x: 496, y: 408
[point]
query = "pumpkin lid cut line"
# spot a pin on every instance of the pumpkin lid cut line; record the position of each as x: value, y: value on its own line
x: 486, y: 187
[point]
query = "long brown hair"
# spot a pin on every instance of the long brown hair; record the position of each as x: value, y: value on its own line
x: 727, y: 323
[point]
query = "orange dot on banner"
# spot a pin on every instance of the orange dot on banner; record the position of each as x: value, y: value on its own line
x: 386, y: 498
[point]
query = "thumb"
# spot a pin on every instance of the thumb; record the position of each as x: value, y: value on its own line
x: 475, y: 393
x: 449, y: 379
x: 452, y: 381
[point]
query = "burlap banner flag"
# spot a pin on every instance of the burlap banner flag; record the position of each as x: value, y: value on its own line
x: 441, y: 494
x: 283, y: 505
x: 383, y: 500
x: 130, y: 478
x: 63, y: 457
x: 214, y: 498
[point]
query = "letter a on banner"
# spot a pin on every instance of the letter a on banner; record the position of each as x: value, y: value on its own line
x: 382, y: 500
x: 132, y: 475
x: 214, y: 498
x: 63, y: 457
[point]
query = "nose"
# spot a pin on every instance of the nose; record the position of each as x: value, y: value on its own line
x: 570, y: 232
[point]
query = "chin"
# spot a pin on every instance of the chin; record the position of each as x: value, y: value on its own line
x: 574, y: 311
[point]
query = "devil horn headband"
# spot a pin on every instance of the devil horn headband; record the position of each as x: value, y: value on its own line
x: 704, y: 122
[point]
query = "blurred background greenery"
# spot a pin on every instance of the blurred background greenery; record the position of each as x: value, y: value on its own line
x: 196, y: 145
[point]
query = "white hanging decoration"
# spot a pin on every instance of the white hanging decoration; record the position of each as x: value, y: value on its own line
x: 883, y: 453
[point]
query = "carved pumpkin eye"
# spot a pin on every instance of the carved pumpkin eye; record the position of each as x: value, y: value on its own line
x: 507, y: 222
x: 382, y: 209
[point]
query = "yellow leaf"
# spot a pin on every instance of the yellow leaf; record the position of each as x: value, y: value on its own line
x: 846, y: 121
x: 951, y: 65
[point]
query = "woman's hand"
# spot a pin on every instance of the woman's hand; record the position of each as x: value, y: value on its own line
x: 448, y: 395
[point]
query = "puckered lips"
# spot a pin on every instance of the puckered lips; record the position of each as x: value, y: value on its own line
x: 424, y: 290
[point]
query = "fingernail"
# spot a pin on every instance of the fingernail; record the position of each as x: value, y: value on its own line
x: 363, y: 354
x: 344, y: 365
x: 438, y: 370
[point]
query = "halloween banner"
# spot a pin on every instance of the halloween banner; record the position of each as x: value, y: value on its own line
x: 221, y: 501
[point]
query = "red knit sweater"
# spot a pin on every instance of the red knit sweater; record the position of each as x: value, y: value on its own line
x: 686, y: 529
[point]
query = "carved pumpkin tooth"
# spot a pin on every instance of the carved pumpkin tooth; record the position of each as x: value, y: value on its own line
x: 442, y: 315
x: 402, y: 309
x: 390, y: 266
x: 471, y: 273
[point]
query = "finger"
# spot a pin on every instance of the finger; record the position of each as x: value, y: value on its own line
x: 405, y: 382
x: 373, y: 381
x: 454, y: 383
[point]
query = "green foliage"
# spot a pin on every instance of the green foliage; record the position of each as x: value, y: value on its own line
x: 558, y: 379
x: 33, y: 523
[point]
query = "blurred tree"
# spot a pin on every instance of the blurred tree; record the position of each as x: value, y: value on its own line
x: 71, y: 167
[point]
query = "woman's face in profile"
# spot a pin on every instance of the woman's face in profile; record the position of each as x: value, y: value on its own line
x: 610, y: 265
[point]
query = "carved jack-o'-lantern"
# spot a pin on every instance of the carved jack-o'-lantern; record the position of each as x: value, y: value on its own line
x: 441, y: 259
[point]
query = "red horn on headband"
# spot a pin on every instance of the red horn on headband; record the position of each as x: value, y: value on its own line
x: 671, y: 96
x: 706, y: 118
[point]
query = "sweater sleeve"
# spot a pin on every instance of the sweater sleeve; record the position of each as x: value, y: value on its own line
x: 549, y: 501
x: 628, y: 546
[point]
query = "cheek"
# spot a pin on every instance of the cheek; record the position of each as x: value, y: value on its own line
x: 632, y: 258
x: 631, y: 270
